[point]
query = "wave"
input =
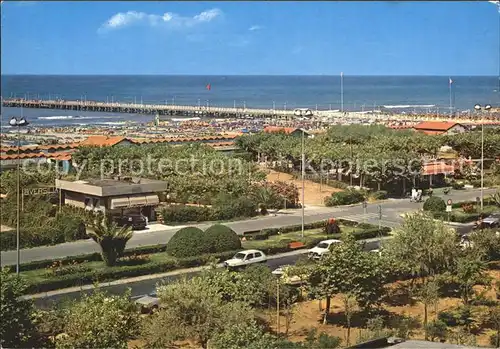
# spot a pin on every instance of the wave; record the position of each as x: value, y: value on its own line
x: 57, y: 117
x: 186, y: 119
x: 65, y: 117
x: 409, y: 106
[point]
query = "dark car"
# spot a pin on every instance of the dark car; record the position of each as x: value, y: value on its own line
x: 136, y: 221
x: 490, y: 222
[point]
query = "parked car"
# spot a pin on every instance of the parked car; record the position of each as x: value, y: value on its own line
x: 490, y: 222
x: 244, y: 258
x: 136, y: 221
x: 148, y: 302
x: 322, y: 248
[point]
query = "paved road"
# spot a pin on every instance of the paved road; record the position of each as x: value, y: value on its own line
x: 144, y: 287
x: 391, y: 211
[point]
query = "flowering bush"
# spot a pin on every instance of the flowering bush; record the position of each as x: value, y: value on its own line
x: 468, y: 208
x: 135, y: 259
x: 59, y: 268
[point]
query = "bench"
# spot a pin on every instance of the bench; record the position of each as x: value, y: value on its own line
x: 295, y: 244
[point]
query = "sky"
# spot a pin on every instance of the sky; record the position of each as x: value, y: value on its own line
x: 257, y: 38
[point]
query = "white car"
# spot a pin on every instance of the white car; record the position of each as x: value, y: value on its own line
x: 244, y: 258
x: 322, y: 248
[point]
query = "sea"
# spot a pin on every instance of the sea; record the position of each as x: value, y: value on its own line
x: 360, y: 93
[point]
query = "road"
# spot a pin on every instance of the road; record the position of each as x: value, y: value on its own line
x: 391, y: 211
x: 144, y: 287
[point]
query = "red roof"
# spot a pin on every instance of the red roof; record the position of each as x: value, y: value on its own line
x: 276, y: 129
x: 442, y: 126
x: 433, y: 168
x: 102, y: 141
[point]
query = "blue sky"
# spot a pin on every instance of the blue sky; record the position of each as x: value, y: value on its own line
x: 289, y: 38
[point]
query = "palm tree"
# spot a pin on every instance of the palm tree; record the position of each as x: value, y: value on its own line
x: 111, y: 238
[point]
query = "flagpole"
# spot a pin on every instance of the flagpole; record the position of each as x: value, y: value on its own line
x: 450, y: 83
x: 342, y: 92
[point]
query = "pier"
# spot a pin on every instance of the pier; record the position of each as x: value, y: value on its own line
x: 160, y: 109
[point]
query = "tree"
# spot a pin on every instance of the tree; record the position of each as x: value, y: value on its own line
x: 192, y: 309
x: 486, y: 244
x: 16, y: 325
x: 238, y: 336
x: 469, y: 271
x: 111, y: 238
x: 99, y: 320
x: 423, y: 246
x: 349, y: 270
x: 494, y: 317
x: 436, y: 330
x: 429, y: 295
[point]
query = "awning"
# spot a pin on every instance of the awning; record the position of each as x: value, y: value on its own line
x: 139, y: 200
x: 120, y: 202
x: 152, y: 199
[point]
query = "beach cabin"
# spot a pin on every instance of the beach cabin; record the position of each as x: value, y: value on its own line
x: 440, y: 127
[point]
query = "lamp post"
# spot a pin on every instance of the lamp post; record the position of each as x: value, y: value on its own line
x: 479, y: 108
x: 303, y: 175
x: 22, y: 122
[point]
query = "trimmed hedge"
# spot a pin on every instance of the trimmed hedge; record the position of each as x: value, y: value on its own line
x: 347, y: 197
x: 222, y: 238
x: 112, y: 273
x: 186, y: 213
x: 187, y: 242
x: 434, y: 204
x: 379, y: 195
x: 118, y: 272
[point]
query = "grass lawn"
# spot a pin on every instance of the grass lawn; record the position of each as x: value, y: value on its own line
x: 38, y: 275
x: 311, y: 234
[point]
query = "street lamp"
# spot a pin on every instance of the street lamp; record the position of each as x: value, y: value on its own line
x: 22, y: 122
x: 479, y: 108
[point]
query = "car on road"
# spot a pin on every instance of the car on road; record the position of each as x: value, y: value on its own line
x: 492, y: 221
x: 322, y: 248
x: 149, y: 302
x: 136, y: 221
x: 245, y: 258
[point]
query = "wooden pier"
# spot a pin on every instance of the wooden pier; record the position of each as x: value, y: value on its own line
x: 132, y: 108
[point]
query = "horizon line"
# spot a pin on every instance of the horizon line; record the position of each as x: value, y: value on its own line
x: 256, y: 75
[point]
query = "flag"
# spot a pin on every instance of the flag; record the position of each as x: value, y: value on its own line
x: 451, y: 81
x: 208, y: 87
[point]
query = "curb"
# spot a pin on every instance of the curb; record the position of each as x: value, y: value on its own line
x: 146, y: 277
x: 166, y: 274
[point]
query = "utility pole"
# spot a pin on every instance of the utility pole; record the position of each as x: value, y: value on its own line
x: 379, y: 217
x: 278, y: 306
x: 303, y: 175
x: 342, y: 92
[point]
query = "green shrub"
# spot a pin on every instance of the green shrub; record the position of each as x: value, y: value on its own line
x: 495, y: 340
x: 222, y: 238
x: 457, y: 185
x: 186, y: 213
x: 188, y: 242
x: 347, y: 197
x: 434, y: 204
x: 228, y: 207
x: 379, y: 195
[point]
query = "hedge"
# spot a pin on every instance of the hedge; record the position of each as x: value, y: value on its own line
x: 189, y: 241
x: 434, y: 204
x: 222, y: 238
x: 347, y: 197
x: 118, y: 272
